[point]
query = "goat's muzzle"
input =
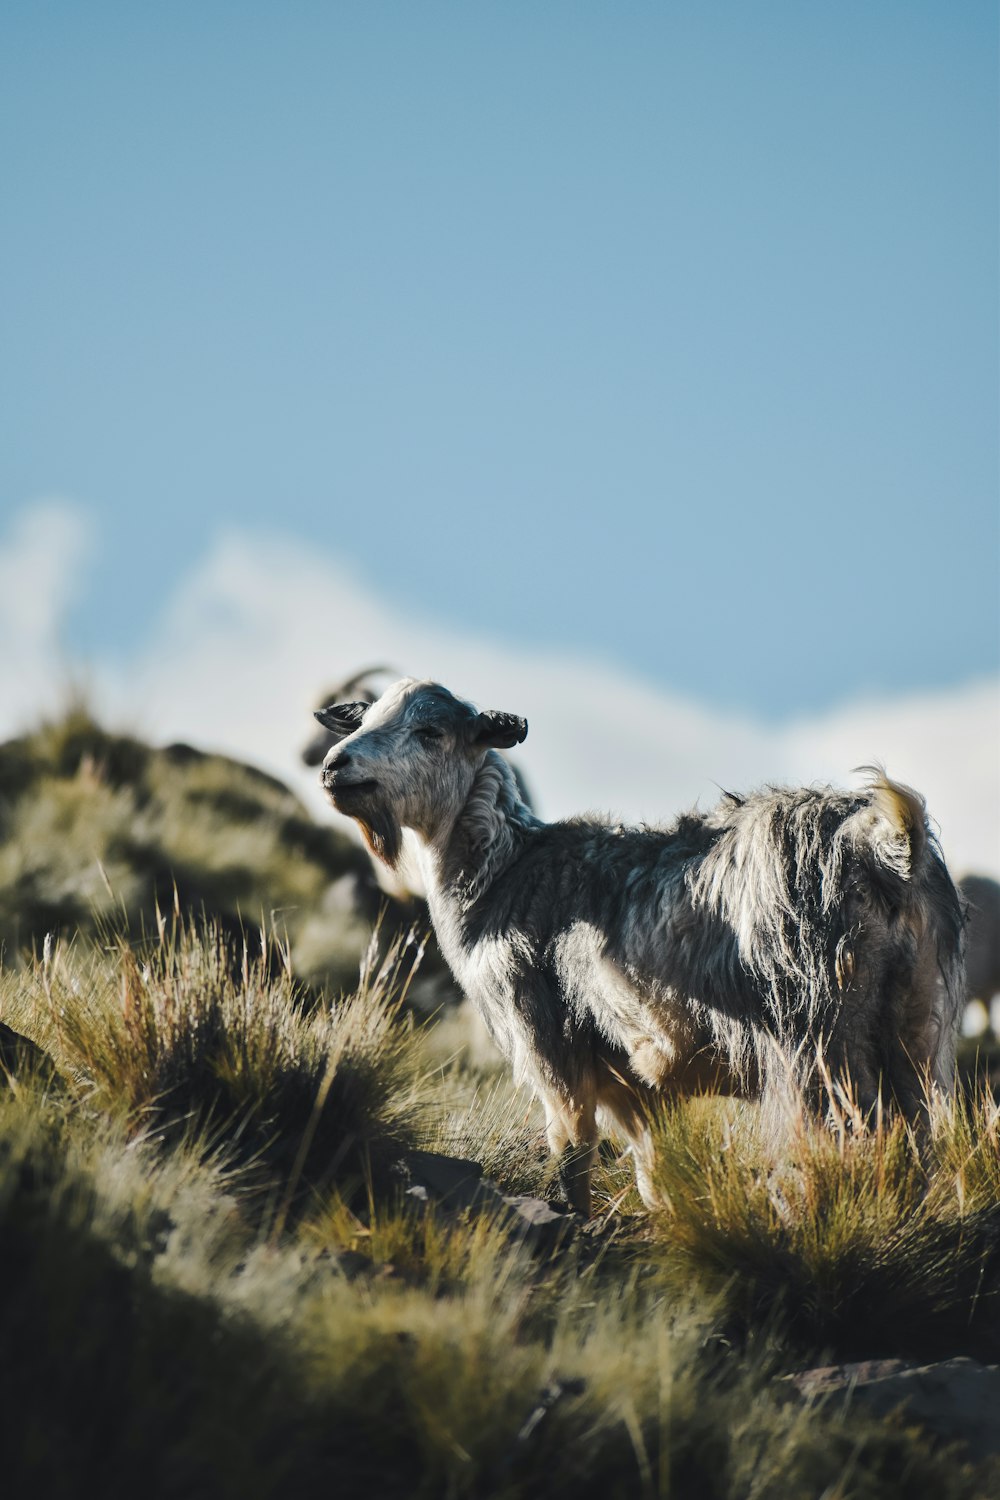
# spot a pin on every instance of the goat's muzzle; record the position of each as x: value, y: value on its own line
x: 343, y: 790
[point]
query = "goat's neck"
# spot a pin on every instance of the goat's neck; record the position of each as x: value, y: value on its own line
x: 466, y: 857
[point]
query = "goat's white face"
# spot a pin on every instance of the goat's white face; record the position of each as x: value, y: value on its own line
x: 409, y: 760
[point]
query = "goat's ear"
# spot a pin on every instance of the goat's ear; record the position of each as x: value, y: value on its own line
x: 342, y: 719
x: 499, y: 730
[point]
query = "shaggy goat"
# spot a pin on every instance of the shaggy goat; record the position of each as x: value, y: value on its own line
x: 616, y: 965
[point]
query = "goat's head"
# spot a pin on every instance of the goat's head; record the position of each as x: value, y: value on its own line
x: 408, y: 760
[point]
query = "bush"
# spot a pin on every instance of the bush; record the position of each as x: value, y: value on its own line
x: 880, y: 1242
x: 182, y: 1037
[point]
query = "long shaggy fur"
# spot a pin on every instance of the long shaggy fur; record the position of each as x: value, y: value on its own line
x: 787, y: 937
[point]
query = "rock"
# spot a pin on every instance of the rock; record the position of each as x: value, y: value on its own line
x: 449, y: 1182
x: 956, y: 1399
x: 536, y: 1223
x: 352, y: 1264
x: 456, y: 1185
x: 19, y: 1054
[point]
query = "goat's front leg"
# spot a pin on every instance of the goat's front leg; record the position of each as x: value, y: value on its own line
x: 571, y: 1129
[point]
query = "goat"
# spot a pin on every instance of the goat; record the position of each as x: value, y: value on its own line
x: 983, y: 955
x: 615, y: 966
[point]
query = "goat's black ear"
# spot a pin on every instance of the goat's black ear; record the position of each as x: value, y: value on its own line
x: 499, y: 730
x: 342, y: 719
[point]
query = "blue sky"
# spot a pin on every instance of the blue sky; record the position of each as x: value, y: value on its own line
x: 664, y: 334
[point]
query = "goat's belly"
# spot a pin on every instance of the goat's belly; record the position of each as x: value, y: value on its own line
x: 669, y: 1045
x: 548, y: 1017
x: 699, y: 1070
x: 656, y: 1034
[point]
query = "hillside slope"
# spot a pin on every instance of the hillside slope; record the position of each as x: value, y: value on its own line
x: 99, y: 832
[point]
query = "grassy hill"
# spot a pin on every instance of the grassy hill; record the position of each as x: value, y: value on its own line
x: 223, y: 1272
x: 102, y: 833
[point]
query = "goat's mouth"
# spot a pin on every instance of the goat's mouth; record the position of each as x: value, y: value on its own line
x: 349, y: 791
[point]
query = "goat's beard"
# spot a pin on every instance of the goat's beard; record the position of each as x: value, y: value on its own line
x: 382, y: 833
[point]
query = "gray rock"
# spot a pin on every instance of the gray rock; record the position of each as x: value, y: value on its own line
x: 536, y: 1223
x: 956, y: 1399
x: 456, y: 1185
x: 352, y: 1264
x: 449, y: 1182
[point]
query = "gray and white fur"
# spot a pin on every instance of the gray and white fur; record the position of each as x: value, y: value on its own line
x: 790, y: 935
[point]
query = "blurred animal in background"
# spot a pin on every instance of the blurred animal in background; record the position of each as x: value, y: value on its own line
x: 794, y: 942
x: 982, y: 962
x: 365, y: 686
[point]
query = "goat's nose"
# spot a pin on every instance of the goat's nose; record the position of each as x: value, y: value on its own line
x: 331, y: 768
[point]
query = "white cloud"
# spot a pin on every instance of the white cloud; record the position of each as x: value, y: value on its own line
x: 261, y: 627
x: 42, y: 558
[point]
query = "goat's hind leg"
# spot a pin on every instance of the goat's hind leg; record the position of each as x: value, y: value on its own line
x: 625, y: 1107
x: 571, y: 1130
x: 644, y: 1158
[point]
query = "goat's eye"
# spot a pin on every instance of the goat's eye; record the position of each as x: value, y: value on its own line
x: 427, y: 734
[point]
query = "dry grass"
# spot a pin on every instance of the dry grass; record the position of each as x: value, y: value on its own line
x: 184, y: 1037
x: 165, y: 1335
x: 871, y: 1242
x: 97, y: 830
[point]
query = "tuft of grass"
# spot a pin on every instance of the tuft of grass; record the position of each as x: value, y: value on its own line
x: 181, y: 1037
x: 129, y: 1364
x: 877, y: 1242
x: 620, y: 1398
x: 494, y: 1122
x: 391, y: 1241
